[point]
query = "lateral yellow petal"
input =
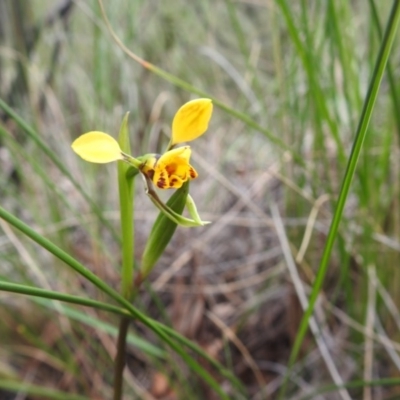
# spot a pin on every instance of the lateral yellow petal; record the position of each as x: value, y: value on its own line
x: 97, y: 147
x: 191, y: 120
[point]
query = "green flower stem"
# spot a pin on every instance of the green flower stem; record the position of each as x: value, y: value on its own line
x: 126, y: 188
x: 366, y: 113
x: 58, y: 163
x: 135, y: 162
x: 157, y: 328
x: 120, y: 359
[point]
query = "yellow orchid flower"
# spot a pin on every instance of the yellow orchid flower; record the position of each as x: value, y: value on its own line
x: 169, y: 170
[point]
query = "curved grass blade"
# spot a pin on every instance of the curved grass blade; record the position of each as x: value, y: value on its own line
x: 365, y: 117
x: 82, y: 301
x: 40, y: 391
x: 134, y: 340
x: 90, y: 276
x: 49, y: 294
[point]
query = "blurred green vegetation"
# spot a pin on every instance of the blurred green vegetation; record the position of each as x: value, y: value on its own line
x: 300, y: 71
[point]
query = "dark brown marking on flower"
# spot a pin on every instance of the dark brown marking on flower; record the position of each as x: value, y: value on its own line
x: 171, y: 168
x: 150, y: 174
x: 172, y: 182
x: 192, y: 173
x: 161, y: 183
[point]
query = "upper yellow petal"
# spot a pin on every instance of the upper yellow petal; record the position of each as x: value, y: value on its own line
x: 180, y: 153
x: 191, y: 120
x: 97, y: 147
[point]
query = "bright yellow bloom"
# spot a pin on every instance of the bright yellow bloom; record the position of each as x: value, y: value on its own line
x: 191, y: 121
x: 169, y: 170
x: 97, y: 147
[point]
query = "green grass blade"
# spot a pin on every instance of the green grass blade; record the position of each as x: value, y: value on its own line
x: 40, y: 391
x: 389, y: 70
x: 365, y: 117
x: 90, y: 276
x: 94, y: 322
x: 49, y: 294
x: 308, y: 62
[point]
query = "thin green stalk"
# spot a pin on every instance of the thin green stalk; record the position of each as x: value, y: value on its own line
x: 90, y: 276
x: 125, y: 186
x: 120, y: 359
x: 365, y: 117
x: 68, y: 298
x: 309, y: 67
x: 352, y: 98
x: 389, y: 70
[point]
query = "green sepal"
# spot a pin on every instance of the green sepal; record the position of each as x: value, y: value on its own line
x: 163, y: 229
x: 191, y: 206
x: 168, y: 211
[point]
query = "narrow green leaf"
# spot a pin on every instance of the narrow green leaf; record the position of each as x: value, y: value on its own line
x: 94, y: 322
x: 40, y: 391
x: 43, y: 296
x: 68, y: 298
x: 382, y: 58
x: 157, y: 328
